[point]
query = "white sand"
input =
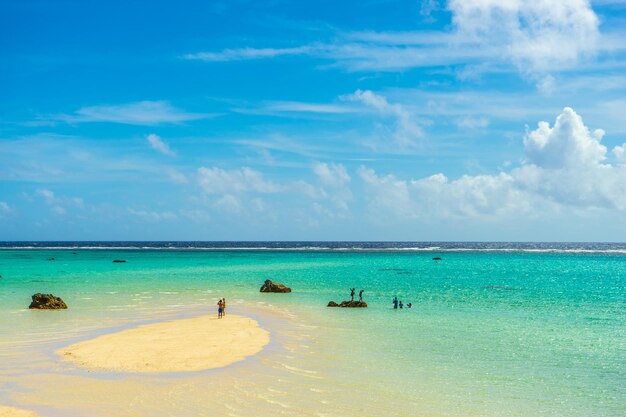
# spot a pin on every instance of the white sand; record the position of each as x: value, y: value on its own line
x: 173, y: 346
x: 15, y: 412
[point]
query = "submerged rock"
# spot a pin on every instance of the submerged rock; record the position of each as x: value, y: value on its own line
x: 47, y: 302
x: 348, y: 304
x: 269, y: 286
x: 119, y: 261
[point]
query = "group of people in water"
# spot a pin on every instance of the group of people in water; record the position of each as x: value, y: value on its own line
x: 398, y: 304
x: 221, y: 304
x: 221, y: 308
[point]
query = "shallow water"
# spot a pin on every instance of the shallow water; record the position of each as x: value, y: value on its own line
x: 491, y: 333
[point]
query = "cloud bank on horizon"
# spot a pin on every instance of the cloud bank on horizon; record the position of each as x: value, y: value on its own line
x: 432, y: 120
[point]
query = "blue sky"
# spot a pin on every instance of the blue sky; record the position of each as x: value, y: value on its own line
x: 313, y: 120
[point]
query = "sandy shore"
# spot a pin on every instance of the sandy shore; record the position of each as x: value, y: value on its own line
x: 15, y: 412
x: 173, y: 346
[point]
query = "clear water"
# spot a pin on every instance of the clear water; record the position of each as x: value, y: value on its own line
x: 496, y: 329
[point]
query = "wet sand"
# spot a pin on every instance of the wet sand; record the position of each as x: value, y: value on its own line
x: 187, y: 345
x: 16, y: 412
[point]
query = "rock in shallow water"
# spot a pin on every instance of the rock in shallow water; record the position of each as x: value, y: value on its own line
x: 270, y: 286
x: 47, y: 302
x: 348, y: 304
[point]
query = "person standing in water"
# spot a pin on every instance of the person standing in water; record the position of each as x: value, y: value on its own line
x: 401, y: 305
x: 220, y: 309
x: 395, y: 302
x: 223, y: 306
x: 361, y: 295
x: 352, y: 291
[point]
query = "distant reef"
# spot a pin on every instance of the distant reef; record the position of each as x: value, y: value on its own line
x: 269, y: 286
x: 47, y: 302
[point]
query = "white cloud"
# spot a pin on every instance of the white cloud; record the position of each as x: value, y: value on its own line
x: 620, y: 153
x: 565, y: 167
x: 336, y: 178
x: 304, y: 107
x: 310, y: 190
x: 138, y: 113
x: 248, y: 53
x: 538, y: 35
x: 567, y: 144
x: 58, y: 210
x: 387, y: 194
x: 406, y: 130
x: 333, y: 175
x: 228, y: 203
x: 157, y: 143
x: 218, y: 181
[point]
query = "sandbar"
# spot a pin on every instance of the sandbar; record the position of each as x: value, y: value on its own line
x: 186, y: 345
x: 15, y: 412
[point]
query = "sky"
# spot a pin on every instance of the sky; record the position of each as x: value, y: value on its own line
x: 432, y: 120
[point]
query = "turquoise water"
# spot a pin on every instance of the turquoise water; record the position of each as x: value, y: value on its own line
x: 490, y: 334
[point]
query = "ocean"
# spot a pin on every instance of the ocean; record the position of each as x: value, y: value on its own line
x: 496, y: 329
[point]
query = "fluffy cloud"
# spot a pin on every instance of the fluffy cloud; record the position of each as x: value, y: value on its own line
x: 157, y: 143
x: 406, y: 130
x: 336, y: 180
x: 333, y: 175
x: 218, y: 181
x: 567, y: 144
x: 620, y: 153
x: 387, y: 194
x: 537, y: 35
x: 564, y: 167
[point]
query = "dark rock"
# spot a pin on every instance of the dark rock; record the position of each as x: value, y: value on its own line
x: 50, y: 259
x: 436, y: 259
x: 47, y: 301
x: 353, y: 304
x: 270, y: 286
x: 348, y: 304
x: 119, y: 261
